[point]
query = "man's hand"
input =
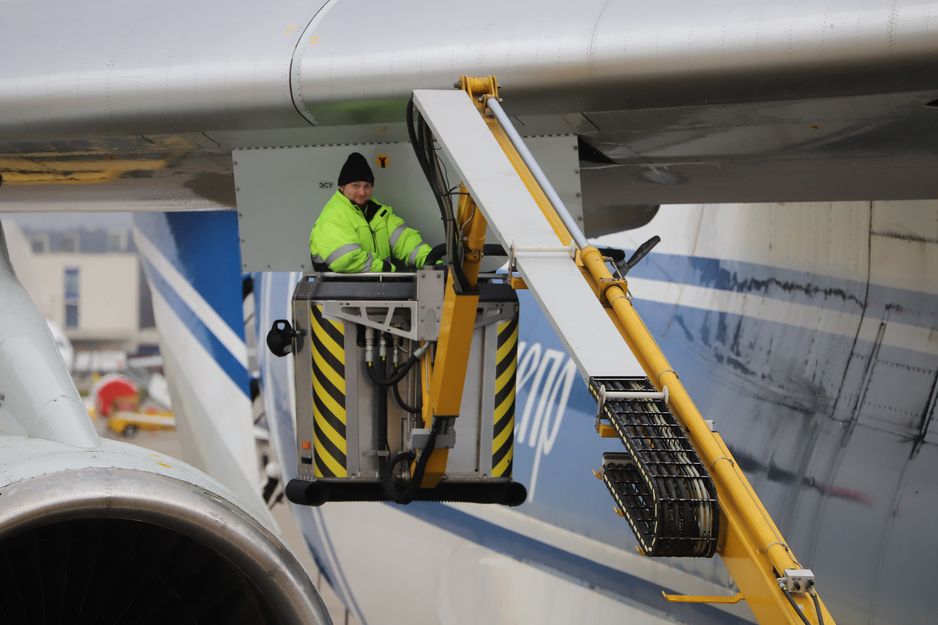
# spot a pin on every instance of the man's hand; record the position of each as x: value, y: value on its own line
x: 396, y: 265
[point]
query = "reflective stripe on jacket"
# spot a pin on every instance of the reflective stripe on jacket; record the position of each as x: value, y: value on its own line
x: 347, y: 242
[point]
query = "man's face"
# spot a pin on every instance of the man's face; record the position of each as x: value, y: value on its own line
x: 358, y: 192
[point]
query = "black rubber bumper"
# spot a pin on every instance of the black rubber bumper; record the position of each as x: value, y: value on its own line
x: 318, y: 492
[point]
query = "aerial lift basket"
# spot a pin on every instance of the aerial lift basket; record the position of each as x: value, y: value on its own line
x: 349, y: 436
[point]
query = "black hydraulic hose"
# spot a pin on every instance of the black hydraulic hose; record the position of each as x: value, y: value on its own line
x: 420, y: 152
x: 407, y: 495
x: 396, y: 377
x: 793, y: 604
x: 421, y: 138
x: 437, y: 184
x: 400, y: 402
x: 381, y: 396
x: 385, y: 465
x: 387, y: 478
x: 435, y: 254
x: 817, y: 605
x: 397, y: 390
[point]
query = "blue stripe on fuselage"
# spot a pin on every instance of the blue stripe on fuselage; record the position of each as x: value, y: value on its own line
x: 225, y: 359
x: 915, y: 308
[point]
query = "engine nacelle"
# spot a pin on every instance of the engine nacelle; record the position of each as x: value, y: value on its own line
x: 97, y: 531
x: 116, y: 534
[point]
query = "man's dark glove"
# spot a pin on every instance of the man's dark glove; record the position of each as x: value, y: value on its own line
x: 398, y: 265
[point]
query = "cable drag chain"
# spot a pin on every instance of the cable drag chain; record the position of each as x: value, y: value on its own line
x: 660, y: 486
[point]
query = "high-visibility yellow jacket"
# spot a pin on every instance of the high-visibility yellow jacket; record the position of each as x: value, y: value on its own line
x: 352, y: 239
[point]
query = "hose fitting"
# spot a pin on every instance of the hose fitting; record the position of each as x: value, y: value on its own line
x: 369, y: 345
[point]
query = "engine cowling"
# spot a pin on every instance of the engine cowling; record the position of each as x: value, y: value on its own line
x: 95, y: 535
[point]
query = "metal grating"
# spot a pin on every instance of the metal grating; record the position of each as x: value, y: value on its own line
x: 660, y: 486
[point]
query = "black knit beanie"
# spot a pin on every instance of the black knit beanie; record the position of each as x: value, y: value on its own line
x: 356, y: 169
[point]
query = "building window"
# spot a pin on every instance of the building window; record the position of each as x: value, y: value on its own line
x: 71, y: 315
x: 117, y: 241
x: 40, y: 244
x: 72, y: 293
x: 71, y: 243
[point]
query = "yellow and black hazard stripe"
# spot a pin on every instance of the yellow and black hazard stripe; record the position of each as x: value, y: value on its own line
x: 329, y: 438
x: 506, y: 364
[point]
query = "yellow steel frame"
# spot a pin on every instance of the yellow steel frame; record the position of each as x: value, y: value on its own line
x: 456, y: 327
x: 449, y: 370
x: 750, y: 545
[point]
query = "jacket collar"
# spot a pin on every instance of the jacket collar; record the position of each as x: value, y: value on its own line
x: 368, y: 211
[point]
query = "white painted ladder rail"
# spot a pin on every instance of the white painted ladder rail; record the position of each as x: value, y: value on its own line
x: 605, y: 396
x: 516, y: 220
x: 538, y: 249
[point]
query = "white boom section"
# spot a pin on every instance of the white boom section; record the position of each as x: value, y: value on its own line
x: 514, y: 216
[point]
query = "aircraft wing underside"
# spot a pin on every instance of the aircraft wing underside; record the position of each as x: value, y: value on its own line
x: 737, y: 102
